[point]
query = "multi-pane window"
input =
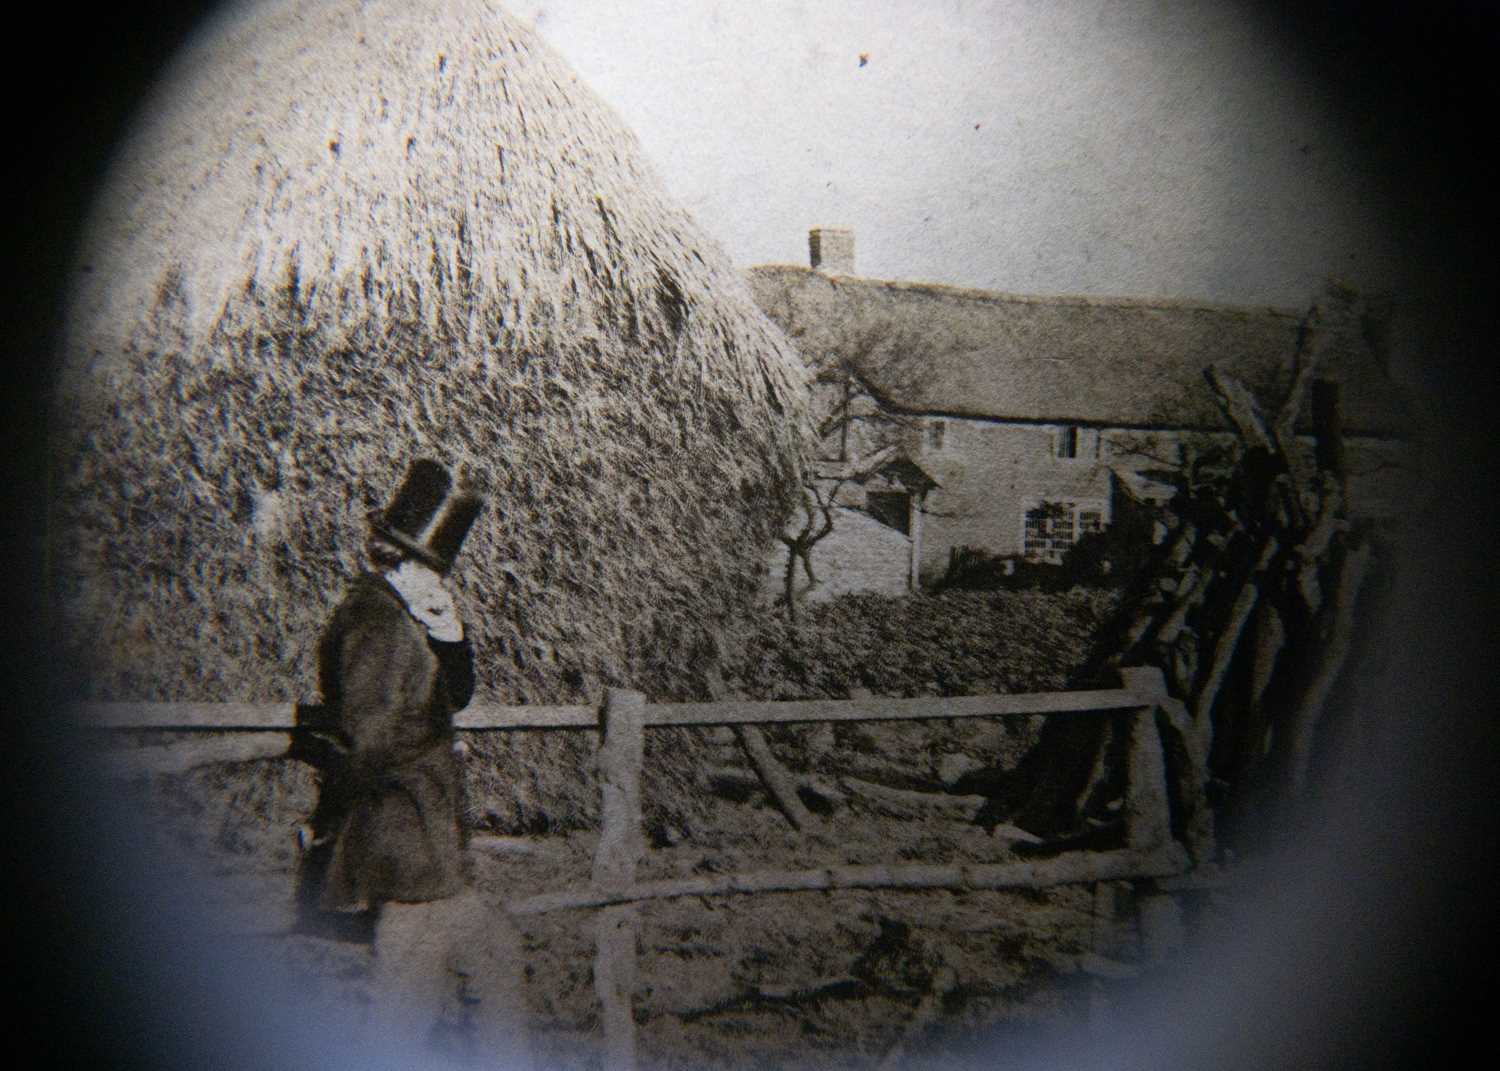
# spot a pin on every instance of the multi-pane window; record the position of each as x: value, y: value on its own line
x: 1067, y: 441
x: 1049, y: 531
x: 1050, y: 528
x: 935, y: 435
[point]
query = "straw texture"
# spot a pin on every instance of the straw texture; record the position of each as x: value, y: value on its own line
x: 349, y: 234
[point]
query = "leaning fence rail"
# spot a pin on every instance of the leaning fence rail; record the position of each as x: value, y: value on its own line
x: 205, y: 732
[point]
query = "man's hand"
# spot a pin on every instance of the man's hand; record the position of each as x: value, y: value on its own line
x: 427, y: 600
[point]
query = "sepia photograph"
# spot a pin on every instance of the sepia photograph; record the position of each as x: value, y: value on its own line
x: 627, y: 534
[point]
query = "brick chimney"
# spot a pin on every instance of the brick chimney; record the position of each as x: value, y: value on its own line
x: 831, y: 250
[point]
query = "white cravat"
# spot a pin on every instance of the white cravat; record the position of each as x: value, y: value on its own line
x: 428, y: 601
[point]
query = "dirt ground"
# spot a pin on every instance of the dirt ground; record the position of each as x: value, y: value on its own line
x: 808, y: 979
x: 816, y: 980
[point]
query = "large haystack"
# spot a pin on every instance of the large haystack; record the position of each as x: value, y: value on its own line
x: 351, y: 233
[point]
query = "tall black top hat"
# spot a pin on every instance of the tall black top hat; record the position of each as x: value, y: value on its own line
x: 424, y: 519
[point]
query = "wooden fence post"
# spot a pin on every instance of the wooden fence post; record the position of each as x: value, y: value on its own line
x: 1148, y: 818
x: 621, y: 746
x: 1183, y: 741
x: 1148, y: 822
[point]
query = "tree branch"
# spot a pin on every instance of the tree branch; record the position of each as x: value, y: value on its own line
x: 1309, y: 713
x: 774, y: 776
x: 1239, y: 406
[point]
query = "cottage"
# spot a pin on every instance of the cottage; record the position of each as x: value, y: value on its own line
x: 1036, y: 419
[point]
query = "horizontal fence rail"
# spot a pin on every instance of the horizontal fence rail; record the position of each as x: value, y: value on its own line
x: 1068, y: 869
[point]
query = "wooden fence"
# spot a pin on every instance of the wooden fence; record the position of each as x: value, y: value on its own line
x: 238, y: 731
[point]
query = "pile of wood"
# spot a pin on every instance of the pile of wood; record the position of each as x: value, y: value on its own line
x: 1250, y: 609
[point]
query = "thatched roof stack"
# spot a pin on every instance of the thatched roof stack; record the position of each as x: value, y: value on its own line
x: 352, y: 233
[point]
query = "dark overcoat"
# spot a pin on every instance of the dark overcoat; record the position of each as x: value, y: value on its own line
x: 392, y: 808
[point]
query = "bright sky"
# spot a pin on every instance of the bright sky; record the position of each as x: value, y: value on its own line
x: 1134, y: 147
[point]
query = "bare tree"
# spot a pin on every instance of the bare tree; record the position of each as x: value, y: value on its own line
x: 817, y: 523
x: 865, y: 391
x: 863, y: 395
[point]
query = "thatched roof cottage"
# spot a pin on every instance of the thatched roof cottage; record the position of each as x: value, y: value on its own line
x: 1016, y: 403
x: 348, y: 234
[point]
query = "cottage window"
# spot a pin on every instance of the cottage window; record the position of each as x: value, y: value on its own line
x: 1049, y: 530
x: 935, y: 435
x: 1072, y: 441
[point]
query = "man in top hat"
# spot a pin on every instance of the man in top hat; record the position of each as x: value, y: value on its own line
x: 386, y: 843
